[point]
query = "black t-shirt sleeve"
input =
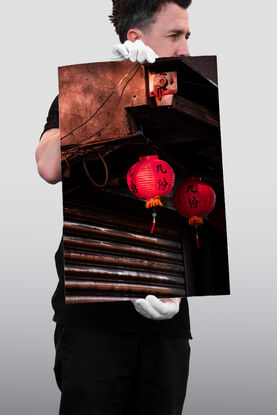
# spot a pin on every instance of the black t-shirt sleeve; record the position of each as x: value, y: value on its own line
x: 52, y: 120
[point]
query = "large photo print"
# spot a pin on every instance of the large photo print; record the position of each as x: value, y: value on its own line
x: 143, y: 191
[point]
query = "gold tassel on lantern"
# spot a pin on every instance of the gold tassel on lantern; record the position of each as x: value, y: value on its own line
x: 194, y: 220
x: 153, y: 203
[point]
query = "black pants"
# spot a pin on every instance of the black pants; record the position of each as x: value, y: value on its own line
x: 110, y: 373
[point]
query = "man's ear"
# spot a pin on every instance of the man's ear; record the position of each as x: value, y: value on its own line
x: 134, y: 34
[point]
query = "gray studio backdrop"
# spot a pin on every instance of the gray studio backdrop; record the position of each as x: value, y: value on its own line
x: 233, y: 360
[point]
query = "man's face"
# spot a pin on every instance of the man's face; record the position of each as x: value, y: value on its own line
x: 168, y: 35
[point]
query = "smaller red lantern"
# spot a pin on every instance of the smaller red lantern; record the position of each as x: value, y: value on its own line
x: 194, y: 200
x: 150, y: 179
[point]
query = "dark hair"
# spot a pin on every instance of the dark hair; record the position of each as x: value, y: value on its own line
x: 138, y: 13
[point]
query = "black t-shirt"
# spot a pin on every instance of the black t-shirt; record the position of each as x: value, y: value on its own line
x: 113, y: 316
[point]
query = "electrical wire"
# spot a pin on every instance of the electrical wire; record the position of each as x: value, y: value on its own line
x: 129, y: 80
x: 106, y: 172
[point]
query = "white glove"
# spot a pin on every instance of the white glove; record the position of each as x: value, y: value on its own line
x: 134, y: 51
x: 155, y: 309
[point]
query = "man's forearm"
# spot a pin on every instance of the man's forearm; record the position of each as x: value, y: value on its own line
x: 48, y: 156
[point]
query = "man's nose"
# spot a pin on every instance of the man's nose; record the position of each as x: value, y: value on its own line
x: 183, y: 49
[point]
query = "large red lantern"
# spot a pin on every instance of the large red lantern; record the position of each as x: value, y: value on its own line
x: 194, y: 200
x: 150, y: 179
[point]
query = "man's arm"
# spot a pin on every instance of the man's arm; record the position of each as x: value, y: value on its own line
x: 48, y: 156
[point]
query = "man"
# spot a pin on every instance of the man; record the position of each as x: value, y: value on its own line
x: 122, y: 358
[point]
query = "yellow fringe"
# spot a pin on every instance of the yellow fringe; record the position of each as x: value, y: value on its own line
x: 194, y: 220
x: 153, y: 203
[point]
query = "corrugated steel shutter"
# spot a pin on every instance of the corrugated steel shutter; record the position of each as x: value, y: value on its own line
x: 111, y: 257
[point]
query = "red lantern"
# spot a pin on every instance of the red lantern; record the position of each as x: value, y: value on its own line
x: 150, y: 179
x: 194, y: 200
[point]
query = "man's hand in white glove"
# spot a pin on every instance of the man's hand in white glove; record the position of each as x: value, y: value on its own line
x: 134, y: 51
x: 155, y: 309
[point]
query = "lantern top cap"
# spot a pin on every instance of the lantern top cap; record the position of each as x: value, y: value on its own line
x: 151, y: 157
